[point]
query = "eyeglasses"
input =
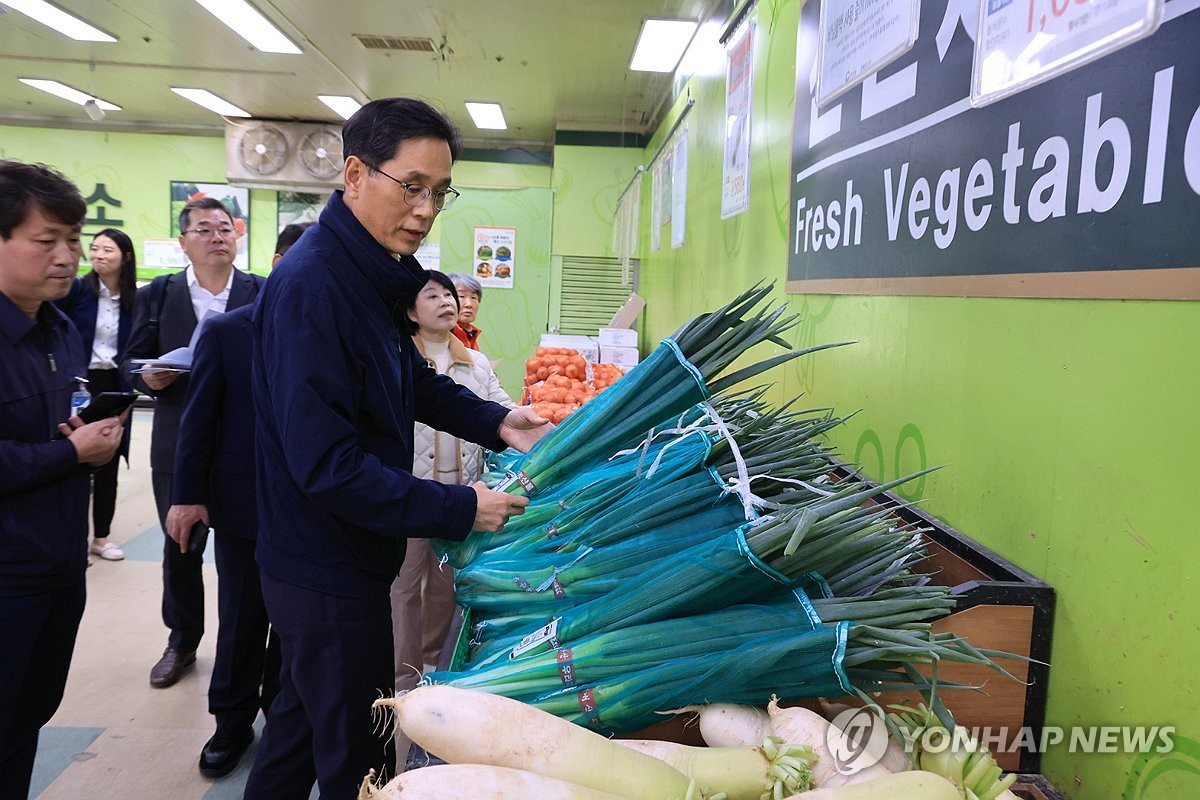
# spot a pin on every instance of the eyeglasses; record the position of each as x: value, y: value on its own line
x: 207, y: 233
x: 415, y: 193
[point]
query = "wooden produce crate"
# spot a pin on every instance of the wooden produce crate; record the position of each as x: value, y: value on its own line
x: 1035, y: 787
x: 1000, y: 607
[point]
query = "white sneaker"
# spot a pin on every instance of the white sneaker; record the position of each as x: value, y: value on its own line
x: 108, y: 551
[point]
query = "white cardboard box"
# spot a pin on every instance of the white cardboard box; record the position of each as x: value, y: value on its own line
x: 623, y: 356
x: 618, y: 337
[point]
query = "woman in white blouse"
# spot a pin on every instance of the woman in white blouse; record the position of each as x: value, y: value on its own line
x: 101, y: 306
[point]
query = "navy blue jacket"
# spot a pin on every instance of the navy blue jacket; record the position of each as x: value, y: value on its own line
x: 43, y: 487
x: 337, y: 385
x: 163, y: 320
x: 81, y: 306
x: 214, y: 459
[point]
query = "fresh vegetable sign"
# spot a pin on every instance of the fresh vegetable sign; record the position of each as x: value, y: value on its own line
x: 1085, y: 185
x: 495, y: 256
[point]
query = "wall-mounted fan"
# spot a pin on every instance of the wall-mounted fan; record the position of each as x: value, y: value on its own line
x: 320, y: 152
x: 263, y: 149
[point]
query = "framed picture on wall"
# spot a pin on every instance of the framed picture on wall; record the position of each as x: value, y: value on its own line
x: 234, y: 198
x: 298, y: 207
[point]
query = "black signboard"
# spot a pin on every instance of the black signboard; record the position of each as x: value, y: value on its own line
x: 1087, y: 185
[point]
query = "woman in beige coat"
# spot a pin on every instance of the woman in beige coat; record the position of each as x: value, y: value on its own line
x: 423, y: 593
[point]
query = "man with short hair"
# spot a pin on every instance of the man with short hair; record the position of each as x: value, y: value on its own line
x: 44, y: 480
x: 338, y: 384
x: 166, y: 315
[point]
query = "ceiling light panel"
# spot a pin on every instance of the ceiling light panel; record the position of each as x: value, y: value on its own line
x: 343, y: 106
x: 488, y: 116
x: 67, y: 93
x: 54, y: 17
x: 661, y: 44
x: 246, y: 21
x: 205, y: 98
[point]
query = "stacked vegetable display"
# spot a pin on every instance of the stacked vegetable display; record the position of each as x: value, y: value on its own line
x: 685, y: 544
x: 558, y: 380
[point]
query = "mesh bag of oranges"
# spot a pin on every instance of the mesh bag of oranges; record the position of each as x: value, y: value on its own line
x: 559, y: 380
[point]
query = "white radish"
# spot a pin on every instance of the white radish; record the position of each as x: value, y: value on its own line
x: 731, y: 725
x: 465, y: 726
x: 473, y: 781
x: 801, y: 726
x: 912, y: 785
x: 742, y: 773
x: 895, y: 758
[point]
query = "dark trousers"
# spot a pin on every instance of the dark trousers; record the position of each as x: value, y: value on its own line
x: 245, y: 676
x: 337, y: 660
x: 183, y: 580
x: 104, y: 480
x: 38, y: 635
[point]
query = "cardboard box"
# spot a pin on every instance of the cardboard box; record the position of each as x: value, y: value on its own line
x: 618, y: 337
x: 628, y: 313
x: 621, y: 356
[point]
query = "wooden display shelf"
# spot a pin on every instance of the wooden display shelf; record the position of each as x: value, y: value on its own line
x: 999, y: 607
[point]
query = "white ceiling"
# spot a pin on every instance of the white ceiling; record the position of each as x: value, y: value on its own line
x: 552, y: 64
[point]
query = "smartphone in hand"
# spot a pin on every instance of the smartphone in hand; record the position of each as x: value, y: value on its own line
x: 197, y: 537
x: 105, y: 405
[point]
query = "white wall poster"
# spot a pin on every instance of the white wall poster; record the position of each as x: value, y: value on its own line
x: 679, y: 161
x: 495, y: 255
x: 739, y: 95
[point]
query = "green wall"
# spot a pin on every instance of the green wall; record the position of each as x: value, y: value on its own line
x: 511, y: 319
x: 137, y: 168
x: 1068, y: 429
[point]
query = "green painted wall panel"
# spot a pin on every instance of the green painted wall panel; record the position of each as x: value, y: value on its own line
x: 137, y: 169
x: 511, y: 319
x: 1068, y: 429
x: 587, y: 183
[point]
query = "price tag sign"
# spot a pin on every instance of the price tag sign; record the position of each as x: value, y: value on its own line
x: 1021, y: 43
x: 860, y: 37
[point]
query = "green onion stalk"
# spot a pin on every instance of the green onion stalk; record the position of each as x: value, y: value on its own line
x: 681, y: 372
x: 610, y: 655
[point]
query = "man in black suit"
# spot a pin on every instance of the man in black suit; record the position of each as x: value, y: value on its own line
x: 164, y: 319
x: 214, y: 485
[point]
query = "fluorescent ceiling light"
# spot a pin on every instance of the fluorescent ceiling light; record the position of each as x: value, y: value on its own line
x: 54, y: 17
x: 67, y: 93
x: 203, y: 97
x: 249, y: 24
x: 661, y: 44
x: 343, y: 106
x: 487, y: 115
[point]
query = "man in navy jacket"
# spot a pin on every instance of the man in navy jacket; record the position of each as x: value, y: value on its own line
x: 214, y: 485
x: 165, y: 316
x: 43, y: 479
x: 338, y: 384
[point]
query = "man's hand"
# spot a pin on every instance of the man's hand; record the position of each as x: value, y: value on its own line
x: 494, y: 508
x: 522, y: 428
x: 157, y: 381
x: 95, y: 443
x: 181, y: 518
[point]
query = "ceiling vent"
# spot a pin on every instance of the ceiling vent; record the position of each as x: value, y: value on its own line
x: 273, y: 154
x: 411, y: 44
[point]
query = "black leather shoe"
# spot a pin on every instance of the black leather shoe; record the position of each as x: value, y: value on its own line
x: 222, y: 752
x: 170, y: 667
